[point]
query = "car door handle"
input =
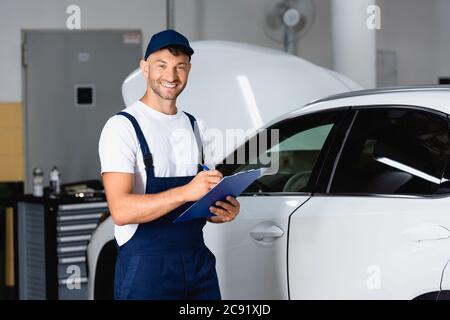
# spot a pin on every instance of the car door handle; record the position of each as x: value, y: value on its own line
x: 266, y: 230
x: 427, y: 233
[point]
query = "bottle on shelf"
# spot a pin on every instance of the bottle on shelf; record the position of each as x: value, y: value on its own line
x: 55, y: 188
x: 38, y: 182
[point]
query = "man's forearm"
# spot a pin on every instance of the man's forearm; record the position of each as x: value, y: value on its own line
x: 141, y: 208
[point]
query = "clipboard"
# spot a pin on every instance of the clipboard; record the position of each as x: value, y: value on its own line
x: 232, y: 185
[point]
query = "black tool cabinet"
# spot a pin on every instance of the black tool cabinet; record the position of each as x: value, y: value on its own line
x: 52, y: 237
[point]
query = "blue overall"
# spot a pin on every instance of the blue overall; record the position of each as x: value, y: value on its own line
x: 165, y: 260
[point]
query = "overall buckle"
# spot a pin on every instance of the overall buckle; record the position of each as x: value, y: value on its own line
x: 148, y: 161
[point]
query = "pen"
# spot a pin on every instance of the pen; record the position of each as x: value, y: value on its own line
x: 204, y: 167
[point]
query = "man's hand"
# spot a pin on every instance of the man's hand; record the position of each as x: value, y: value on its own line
x: 201, y: 184
x: 225, y: 211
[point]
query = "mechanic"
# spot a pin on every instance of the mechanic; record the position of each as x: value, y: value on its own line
x: 150, y: 178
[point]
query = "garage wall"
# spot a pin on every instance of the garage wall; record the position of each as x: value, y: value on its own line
x: 442, y: 39
x: 409, y: 28
x: 417, y: 30
x: 27, y: 14
x: 243, y: 20
x: 11, y: 142
x: 236, y: 20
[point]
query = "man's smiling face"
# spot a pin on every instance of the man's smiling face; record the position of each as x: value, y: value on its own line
x: 167, y: 74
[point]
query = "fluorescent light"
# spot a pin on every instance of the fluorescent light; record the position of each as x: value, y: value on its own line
x: 250, y: 100
x: 411, y: 170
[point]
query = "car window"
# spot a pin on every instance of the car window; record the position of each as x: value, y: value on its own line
x: 295, y: 153
x: 393, y: 151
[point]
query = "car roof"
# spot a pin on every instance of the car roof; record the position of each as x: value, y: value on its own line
x: 435, y: 97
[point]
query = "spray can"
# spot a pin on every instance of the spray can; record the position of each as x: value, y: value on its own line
x: 54, y: 181
x: 38, y: 182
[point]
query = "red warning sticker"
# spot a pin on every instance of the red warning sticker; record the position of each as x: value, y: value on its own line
x: 131, y: 38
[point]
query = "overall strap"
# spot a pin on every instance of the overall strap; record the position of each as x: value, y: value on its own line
x: 196, y: 130
x: 148, y: 158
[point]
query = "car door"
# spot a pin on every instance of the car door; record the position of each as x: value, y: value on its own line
x: 251, y: 251
x: 377, y: 226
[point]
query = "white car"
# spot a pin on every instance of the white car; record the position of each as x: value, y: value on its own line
x: 231, y: 86
x: 359, y: 208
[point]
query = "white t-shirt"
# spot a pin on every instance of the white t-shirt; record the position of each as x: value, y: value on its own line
x: 170, y: 139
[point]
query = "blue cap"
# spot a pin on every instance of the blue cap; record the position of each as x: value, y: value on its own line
x: 166, y: 38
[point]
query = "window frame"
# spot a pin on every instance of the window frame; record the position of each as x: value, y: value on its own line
x: 325, y: 182
x: 342, y: 114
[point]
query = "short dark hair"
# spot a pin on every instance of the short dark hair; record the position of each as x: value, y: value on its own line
x: 176, y: 50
